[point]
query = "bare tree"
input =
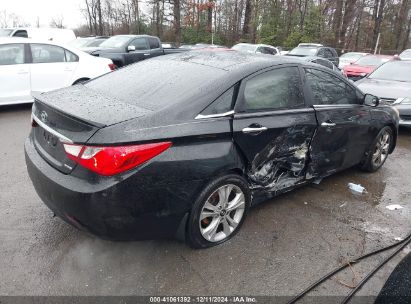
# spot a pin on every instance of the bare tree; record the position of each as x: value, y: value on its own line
x: 57, y: 22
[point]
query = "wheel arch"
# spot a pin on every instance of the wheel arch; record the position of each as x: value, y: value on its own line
x: 395, y: 134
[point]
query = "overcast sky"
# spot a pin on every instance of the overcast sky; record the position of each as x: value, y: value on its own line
x: 29, y: 10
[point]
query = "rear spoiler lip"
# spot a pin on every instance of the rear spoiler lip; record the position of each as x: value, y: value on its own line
x: 71, y: 115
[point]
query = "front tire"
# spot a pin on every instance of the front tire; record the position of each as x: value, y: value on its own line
x: 218, y: 212
x: 379, y: 151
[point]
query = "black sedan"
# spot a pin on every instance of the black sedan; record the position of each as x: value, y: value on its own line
x: 391, y: 82
x: 183, y: 145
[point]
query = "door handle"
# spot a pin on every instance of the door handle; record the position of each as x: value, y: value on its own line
x: 254, y: 130
x: 328, y: 124
x: 146, y: 54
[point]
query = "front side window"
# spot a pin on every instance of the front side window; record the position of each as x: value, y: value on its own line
x: 45, y: 53
x: 11, y: 54
x: 140, y: 43
x: 276, y: 89
x: 328, y: 89
x: 154, y: 44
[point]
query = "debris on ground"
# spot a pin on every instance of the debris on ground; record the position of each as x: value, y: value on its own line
x: 394, y: 207
x: 318, y: 181
x: 343, y: 205
x: 356, y: 189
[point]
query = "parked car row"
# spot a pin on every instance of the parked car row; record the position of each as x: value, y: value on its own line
x: 30, y: 66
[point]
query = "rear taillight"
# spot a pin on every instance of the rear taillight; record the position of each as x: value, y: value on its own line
x: 112, y: 66
x: 109, y: 161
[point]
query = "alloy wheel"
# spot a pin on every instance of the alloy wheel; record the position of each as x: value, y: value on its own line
x: 381, y: 149
x: 222, y: 213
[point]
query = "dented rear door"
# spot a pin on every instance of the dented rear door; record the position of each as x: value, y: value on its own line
x: 273, y: 128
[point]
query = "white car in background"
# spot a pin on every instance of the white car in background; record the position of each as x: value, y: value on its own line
x: 43, y: 33
x: 406, y: 55
x: 28, y: 67
x: 257, y: 48
x: 350, y: 57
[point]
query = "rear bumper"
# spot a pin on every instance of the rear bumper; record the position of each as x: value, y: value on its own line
x: 117, y: 210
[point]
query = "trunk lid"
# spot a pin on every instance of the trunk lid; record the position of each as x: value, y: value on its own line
x: 73, y: 115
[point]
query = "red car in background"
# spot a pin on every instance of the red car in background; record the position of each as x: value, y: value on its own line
x: 365, y: 66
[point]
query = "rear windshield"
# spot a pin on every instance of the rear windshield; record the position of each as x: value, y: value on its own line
x: 395, y: 70
x: 304, y: 51
x: 115, y: 42
x: 352, y: 56
x: 5, y: 32
x: 372, y: 60
x: 244, y: 48
x: 406, y: 54
x: 156, y: 83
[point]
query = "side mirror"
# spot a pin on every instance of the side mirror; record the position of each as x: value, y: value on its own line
x: 131, y: 48
x: 371, y: 100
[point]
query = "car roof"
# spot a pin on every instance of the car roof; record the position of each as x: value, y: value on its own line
x: 380, y: 56
x: 228, y: 59
x: 8, y: 40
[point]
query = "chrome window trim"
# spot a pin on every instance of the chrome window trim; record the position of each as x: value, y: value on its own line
x: 201, y: 116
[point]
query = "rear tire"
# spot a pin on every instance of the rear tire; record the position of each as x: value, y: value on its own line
x: 379, y: 151
x: 219, y: 212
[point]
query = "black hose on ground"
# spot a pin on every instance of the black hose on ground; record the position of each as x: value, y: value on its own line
x: 405, y: 242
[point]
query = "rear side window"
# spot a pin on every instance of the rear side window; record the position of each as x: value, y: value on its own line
x: 276, y: 89
x: 70, y: 57
x: 154, y: 43
x: 328, y: 89
x: 21, y: 33
x: 11, y: 54
x: 222, y: 104
x: 326, y: 63
x: 140, y: 43
x: 328, y: 53
x: 45, y: 53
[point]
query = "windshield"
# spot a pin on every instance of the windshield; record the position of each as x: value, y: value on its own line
x: 79, y: 42
x: 395, y: 70
x: 352, y: 57
x: 115, y: 42
x: 244, y: 48
x: 95, y: 42
x: 303, y: 51
x: 406, y: 54
x: 5, y: 32
x: 372, y: 60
